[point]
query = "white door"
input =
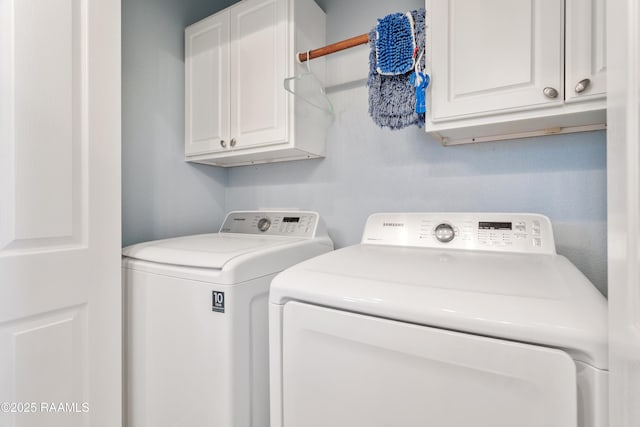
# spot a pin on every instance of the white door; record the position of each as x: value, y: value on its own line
x: 207, y: 85
x: 60, y: 291
x: 586, y: 50
x: 259, y: 58
x: 494, y: 55
x: 342, y: 369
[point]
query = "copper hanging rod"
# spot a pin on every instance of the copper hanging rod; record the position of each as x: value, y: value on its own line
x: 335, y: 47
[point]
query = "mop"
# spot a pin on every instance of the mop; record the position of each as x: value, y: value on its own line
x: 396, y: 99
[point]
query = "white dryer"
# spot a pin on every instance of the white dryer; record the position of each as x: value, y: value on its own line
x: 196, y: 348
x: 448, y: 320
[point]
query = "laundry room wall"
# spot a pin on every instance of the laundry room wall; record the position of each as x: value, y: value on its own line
x: 368, y: 169
x: 162, y: 195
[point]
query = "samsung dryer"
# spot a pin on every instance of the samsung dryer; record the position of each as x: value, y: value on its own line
x: 449, y: 320
x: 196, y: 347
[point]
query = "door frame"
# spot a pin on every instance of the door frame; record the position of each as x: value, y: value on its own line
x: 623, y: 210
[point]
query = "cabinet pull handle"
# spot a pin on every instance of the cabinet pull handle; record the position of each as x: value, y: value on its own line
x: 223, y: 143
x: 550, y: 92
x: 233, y: 142
x: 582, y: 85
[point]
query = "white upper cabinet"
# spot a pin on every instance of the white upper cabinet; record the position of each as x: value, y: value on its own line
x: 259, y: 67
x: 586, y: 60
x: 236, y: 108
x: 498, y: 68
x: 501, y: 55
x: 207, y: 73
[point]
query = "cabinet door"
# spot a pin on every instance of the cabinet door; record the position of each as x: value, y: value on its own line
x: 586, y: 50
x: 259, y: 57
x: 207, y: 85
x: 494, y: 55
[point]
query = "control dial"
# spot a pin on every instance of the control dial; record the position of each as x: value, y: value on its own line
x: 264, y: 224
x: 444, y: 233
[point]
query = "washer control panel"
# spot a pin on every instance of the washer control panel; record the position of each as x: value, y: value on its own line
x: 271, y: 223
x: 502, y: 232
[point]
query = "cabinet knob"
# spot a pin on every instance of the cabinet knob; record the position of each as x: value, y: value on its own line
x: 582, y: 85
x: 223, y: 143
x: 233, y: 142
x: 550, y: 92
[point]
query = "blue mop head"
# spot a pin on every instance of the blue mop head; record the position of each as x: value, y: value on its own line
x: 392, y: 99
x: 395, y: 44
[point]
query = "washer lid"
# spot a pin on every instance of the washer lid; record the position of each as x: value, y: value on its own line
x: 212, y: 251
x: 535, y: 298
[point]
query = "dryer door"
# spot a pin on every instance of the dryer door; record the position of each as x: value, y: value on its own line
x: 343, y: 370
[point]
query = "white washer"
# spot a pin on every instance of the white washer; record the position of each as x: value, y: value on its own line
x: 449, y: 320
x: 196, y: 319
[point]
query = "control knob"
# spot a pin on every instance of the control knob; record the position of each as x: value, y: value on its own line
x: 264, y: 224
x: 444, y: 233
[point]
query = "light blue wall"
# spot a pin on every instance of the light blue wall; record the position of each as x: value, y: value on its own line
x: 162, y: 195
x: 368, y: 169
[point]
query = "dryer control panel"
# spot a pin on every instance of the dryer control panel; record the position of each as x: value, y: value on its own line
x: 501, y: 232
x: 272, y: 223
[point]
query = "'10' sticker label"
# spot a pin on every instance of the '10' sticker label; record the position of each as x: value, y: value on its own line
x: 217, y: 302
